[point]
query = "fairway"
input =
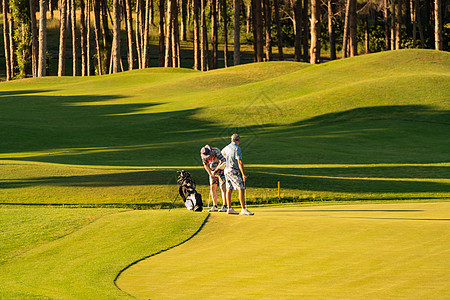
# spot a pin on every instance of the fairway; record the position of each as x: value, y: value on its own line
x: 371, y: 251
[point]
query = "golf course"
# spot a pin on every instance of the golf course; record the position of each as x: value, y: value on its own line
x: 359, y: 147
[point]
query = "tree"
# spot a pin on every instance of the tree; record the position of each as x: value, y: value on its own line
x: 115, y: 50
x: 62, y: 38
x: 258, y: 30
x: 346, y: 29
x: 437, y: 25
x: 315, y: 32
x: 331, y: 35
x: 298, y: 13
x: 129, y: 34
x: 83, y: 38
x: 161, y: 34
x: 279, y: 36
x: 305, y: 30
x: 74, y: 38
x: 237, y: 31
x: 42, y: 38
x: 204, y: 38
x: 34, y: 39
x: 183, y: 6
x: 197, y: 57
x: 6, y: 40
x: 214, y: 34
x: 97, y: 35
x: 169, y: 21
x: 225, y: 32
x: 268, y: 28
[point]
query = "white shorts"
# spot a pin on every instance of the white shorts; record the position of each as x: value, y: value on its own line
x: 233, y: 180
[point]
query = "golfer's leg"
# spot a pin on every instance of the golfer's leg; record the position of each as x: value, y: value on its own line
x: 214, y: 193
x: 229, y: 198
x: 224, y: 197
x: 241, y: 197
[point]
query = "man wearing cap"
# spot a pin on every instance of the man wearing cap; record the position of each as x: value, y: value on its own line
x: 214, y: 162
x: 234, y: 179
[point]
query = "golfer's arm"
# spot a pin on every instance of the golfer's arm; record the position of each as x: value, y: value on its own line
x: 241, y: 167
x: 208, y: 170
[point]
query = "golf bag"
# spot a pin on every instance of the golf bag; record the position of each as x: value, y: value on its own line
x: 192, y: 200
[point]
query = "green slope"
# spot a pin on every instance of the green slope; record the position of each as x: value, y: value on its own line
x: 387, y: 112
x: 84, y: 263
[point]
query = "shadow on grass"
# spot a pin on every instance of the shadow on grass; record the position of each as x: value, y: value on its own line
x: 259, y: 179
x: 74, y: 130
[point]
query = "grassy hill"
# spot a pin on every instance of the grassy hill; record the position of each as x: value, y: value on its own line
x: 368, y: 127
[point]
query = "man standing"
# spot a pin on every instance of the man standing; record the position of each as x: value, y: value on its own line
x: 213, y: 161
x: 234, y: 180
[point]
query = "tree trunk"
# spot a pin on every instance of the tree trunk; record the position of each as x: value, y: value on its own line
x: 62, y: 38
x: 34, y: 39
x: 74, y: 38
x: 437, y: 25
x: 353, y: 30
x: 345, y: 38
x: 315, y: 32
x: 145, y: 45
x: 12, y: 46
x: 169, y: 23
x: 175, y: 36
x: 259, y: 31
x: 214, y: 34
x: 183, y: 6
x: 237, y: 31
x: 42, y: 38
x: 161, y: 48
x: 279, y: 35
x: 305, y: 30
x: 82, y: 37
x: 248, y: 18
x: 366, y: 34
x: 398, y: 24
x: 115, y: 50
x: 137, y: 34
x: 298, y: 12
x: 331, y: 35
x: 197, y: 55
x: 268, y: 28
x: 386, y: 26
x: 204, y: 40
x: 393, y: 25
x: 414, y: 21
x: 130, y: 34
x: 88, y: 37
x: 106, y: 34
x: 97, y: 35
x: 6, y: 39
x: 225, y: 32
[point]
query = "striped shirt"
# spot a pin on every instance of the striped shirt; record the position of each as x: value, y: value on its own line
x: 214, y: 159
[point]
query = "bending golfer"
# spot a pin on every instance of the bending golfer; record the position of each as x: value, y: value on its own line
x: 213, y: 161
x: 234, y: 180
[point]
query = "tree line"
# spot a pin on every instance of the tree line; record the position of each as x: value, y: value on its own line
x: 309, y: 26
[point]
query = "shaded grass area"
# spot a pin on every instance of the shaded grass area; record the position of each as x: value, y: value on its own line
x: 23, y: 183
x: 381, y: 251
x: 85, y: 263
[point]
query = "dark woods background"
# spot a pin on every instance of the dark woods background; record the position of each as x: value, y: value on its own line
x: 96, y: 37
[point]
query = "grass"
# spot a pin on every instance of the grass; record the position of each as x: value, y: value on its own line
x: 65, y: 260
x: 382, y: 251
x: 367, y: 127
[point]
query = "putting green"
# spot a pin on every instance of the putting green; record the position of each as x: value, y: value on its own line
x: 373, y: 251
